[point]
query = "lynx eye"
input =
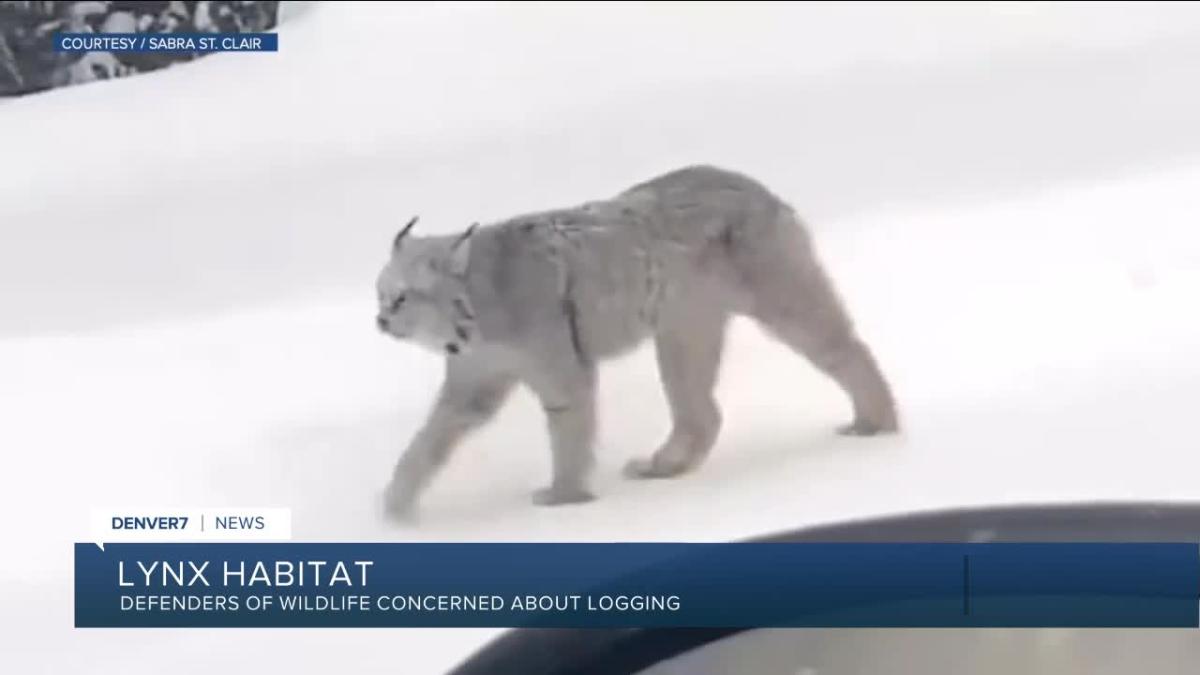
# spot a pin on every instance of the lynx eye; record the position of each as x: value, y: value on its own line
x: 397, y: 302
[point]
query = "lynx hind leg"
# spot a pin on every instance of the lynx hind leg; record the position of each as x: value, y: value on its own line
x: 688, y: 348
x: 795, y: 301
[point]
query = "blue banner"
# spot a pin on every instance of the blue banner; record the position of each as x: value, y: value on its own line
x: 739, y: 585
x: 166, y: 42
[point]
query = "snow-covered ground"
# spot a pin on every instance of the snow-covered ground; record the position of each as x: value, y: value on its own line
x: 1008, y: 196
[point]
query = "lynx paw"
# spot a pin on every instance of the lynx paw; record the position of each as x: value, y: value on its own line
x: 653, y: 467
x: 399, y: 503
x: 866, y: 428
x: 557, y: 496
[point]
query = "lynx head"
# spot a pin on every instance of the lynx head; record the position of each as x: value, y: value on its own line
x: 423, y: 294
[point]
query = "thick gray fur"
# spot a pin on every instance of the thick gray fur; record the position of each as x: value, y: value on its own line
x: 540, y: 299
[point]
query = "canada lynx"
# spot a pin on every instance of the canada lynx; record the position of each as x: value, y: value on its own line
x: 540, y: 299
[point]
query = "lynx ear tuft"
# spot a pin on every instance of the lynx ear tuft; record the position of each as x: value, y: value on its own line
x: 404, y: 232
x: 460, y: 251
x: 464, y: 237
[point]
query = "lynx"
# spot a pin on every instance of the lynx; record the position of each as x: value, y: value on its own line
x: 541, y: 299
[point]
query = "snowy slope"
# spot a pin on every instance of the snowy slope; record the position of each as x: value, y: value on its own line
x: 1006, y: 196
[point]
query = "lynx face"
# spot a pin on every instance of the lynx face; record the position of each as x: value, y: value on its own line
x: 422, y: 294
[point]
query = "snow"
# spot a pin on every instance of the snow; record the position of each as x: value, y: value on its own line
x: 1006, y: 195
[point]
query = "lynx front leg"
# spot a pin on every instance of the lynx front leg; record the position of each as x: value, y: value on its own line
x: 688, y: 349
x: 470, y: 395
x: 566, y: 385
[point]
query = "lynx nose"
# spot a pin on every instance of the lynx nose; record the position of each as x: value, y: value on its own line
x: 381, y: 322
